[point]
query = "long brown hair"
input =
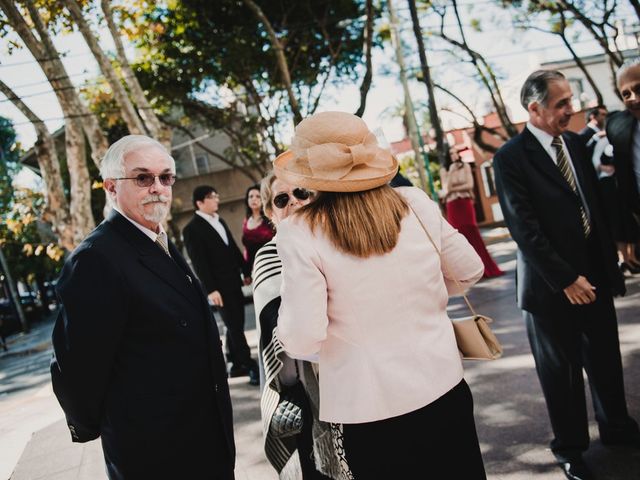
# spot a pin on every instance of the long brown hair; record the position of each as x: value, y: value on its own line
x: 359, y: 223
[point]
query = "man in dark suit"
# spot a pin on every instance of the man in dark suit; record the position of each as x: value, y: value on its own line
x: 623, y: 131
x: 218, y: 262
x: 594, y: 130
x: 566, y: 272
x: 138, y: 360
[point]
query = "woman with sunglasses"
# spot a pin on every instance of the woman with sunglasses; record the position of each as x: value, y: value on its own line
x: 292, y: 457
x: 365, y: 289
x: 256, y: 228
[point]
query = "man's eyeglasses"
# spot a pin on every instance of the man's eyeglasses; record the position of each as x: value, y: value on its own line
x: 282, y: 199
x: 147, y: 179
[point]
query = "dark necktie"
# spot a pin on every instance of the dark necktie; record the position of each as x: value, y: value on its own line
x: 567, y: 173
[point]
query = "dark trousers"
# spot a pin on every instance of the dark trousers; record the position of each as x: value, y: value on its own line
x: 168, y: 442
x: 435, y: 442
x: 564, y: 342
x: 237, y: 349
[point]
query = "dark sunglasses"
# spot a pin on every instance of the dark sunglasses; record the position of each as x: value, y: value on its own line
x: 282, y: 199
x: 148, y: 179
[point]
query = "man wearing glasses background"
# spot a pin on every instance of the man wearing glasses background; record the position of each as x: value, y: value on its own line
x: 218, y: 261
x: 137, y: 353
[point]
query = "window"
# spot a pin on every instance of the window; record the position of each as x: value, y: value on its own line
x: 488, y: 178
x: 202, y: 163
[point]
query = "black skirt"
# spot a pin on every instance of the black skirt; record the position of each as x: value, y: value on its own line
x: 435, y: 442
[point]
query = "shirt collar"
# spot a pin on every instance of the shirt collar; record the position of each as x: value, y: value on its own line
x: 149, y: 233
x: 543, y: 137
x: 212, y: 218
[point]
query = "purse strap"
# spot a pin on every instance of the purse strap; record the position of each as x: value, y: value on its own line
x: 464, y: 295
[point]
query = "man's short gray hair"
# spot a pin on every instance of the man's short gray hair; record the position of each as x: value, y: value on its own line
x: 624, y: 68
x: 536, y: 87
x: 112, y: 165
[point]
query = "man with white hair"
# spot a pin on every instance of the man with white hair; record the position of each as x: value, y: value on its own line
x: 138, y: 360
x: 623, y: 131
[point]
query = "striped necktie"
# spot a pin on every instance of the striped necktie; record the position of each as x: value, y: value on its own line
x: 162, y: 241
x: 567, y: 173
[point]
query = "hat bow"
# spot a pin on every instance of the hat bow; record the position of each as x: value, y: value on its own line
x: 336, y: 160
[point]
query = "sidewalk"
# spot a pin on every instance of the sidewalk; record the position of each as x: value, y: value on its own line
x: 509, y: 409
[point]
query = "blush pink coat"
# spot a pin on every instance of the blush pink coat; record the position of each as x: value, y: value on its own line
x: 379, y: 325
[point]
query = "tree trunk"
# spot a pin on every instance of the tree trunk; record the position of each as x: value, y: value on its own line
x: 601, y: 37
x: 426, y: 74
x: 478, y: 129
x: 48, y: 58
x: 134, y: 124
x: 582, y: 67
x: 410, y: 117
x: 151, y: 120
x: 56, y: 209
x: 80, y: 205
x: 282, y: 60
x: 489, y: 79
x: 368, y: 44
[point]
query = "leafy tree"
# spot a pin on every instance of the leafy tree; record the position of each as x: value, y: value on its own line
x: 596, y: 17
x: 216, y: 62
x: 28, y: 245
x: 9, y: 156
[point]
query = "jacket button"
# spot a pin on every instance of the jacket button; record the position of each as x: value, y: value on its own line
x: 183, y: 323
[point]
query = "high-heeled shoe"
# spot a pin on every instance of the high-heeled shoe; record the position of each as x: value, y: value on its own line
x: 628, y: 267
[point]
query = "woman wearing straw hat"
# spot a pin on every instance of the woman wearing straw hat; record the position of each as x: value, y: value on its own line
x: 366, y: 291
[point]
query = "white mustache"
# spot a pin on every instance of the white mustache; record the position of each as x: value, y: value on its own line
x: 155, y: 199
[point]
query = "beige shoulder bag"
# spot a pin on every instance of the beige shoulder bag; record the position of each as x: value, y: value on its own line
x: 474, y: 337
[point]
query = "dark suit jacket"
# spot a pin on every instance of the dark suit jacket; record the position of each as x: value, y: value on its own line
x: 586, y: 134
x: 620, y: 129
x: 217, y: 265
x: 138, y: 358
x: 543, y: 216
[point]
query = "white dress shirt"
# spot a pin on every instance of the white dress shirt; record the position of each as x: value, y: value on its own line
x: 545, y: 139
x: 214, y: 221
x: 602, y: 147
x: 149, y: 233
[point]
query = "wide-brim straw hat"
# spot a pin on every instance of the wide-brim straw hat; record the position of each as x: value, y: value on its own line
x: 335, y: 152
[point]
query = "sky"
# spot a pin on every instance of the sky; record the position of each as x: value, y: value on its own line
x: 513, y: 54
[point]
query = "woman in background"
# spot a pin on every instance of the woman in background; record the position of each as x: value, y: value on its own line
x: 306, y: 455
x: 256, y: 229
x: 367, y: 272
x: 457, y: 190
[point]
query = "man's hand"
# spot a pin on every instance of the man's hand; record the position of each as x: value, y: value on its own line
x: 608, y: 169
x: 247, y: 280
x: 216, y: 298
x: 581, y: 292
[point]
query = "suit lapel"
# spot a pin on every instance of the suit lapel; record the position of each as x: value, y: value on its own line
x: 206, y: 226
x: 154, y: 259
x: 540, y: 160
